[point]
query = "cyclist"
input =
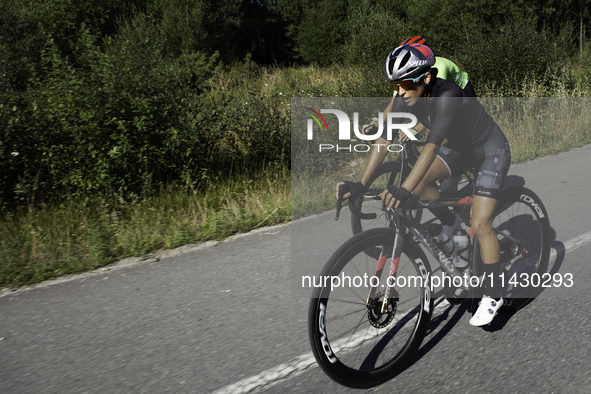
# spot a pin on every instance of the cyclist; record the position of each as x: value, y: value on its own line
x: 446, y: 69
x: 449, y: 112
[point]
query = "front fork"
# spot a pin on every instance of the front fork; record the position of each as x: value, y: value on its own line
x: 396, y: 253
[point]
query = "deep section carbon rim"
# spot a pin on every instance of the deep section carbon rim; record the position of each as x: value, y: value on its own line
x: 357, y: 343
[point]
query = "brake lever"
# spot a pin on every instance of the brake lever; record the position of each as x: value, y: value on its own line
x: 339, y: 207
x: 340, y: 201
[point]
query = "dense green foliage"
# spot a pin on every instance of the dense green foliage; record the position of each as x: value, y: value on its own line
x: 103, y: 97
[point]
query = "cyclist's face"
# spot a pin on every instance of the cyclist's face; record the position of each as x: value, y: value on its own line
x: 410, y: 96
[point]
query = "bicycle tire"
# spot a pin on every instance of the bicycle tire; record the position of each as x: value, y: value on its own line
x: 353, y: 343
x: 521, y: 214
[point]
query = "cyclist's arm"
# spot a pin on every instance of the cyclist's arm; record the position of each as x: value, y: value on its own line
x: 418, y: 129
x: 376, y: 157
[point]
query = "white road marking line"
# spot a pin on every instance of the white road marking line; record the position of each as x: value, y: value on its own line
x: 299, y: 364
x: 571, y: 245
x: 271, y: 376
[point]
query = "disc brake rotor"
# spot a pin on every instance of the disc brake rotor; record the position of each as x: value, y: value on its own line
x: 375, y: 316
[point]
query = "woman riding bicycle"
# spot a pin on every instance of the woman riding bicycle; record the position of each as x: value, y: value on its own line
x: 474, y: 139
x: 448, y: 70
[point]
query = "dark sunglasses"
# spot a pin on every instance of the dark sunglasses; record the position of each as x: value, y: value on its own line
x: 407, y: 84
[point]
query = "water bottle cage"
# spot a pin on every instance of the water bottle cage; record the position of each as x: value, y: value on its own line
x: 441, y: 246
x: 460, y: 252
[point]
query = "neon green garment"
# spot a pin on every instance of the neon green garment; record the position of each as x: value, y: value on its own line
x: 446, y: 69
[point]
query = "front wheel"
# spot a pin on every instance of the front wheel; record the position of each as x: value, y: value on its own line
x: 356, y: 342
x: 523, y: 230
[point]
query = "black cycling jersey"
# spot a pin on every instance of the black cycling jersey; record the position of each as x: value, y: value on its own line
x: 475, y: 140
x: 451, y: 113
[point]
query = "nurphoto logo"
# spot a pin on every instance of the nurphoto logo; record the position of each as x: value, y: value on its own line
x: 393, y: 122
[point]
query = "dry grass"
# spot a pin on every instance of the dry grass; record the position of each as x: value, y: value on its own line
x: 48, y: 241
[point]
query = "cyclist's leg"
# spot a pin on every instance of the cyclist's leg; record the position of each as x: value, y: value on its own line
x: 496, y: 158
x: 483, y: 209
x: 425, y: 188
x: 489, y: 182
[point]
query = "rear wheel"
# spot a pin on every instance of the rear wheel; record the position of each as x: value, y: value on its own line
x: 355, y: 342
x: 523, y: 231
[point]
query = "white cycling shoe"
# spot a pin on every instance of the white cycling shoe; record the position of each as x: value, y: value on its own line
x: 486, y: 311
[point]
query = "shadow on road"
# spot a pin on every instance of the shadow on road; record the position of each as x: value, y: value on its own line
x: 451, y: 315
x: 448, y: 324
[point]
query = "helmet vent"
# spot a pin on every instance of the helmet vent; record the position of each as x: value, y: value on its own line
x: 391, y: 67
x: 405, y: 59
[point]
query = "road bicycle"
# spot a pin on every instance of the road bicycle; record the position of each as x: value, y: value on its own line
x: 367, y: 318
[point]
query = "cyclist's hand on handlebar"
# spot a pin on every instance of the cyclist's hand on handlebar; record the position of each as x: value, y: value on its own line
x: 370, y: 130
x: 402, y: 136
x: 394, y: 196
x: 346, y: 189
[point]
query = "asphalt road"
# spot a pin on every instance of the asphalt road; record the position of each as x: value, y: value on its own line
x: 228, y: 318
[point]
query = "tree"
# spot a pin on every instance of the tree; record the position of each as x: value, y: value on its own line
x: 372, y: 32
x: 322, y: 33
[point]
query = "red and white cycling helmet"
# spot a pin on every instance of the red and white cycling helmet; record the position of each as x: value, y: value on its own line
x: 409, y: 61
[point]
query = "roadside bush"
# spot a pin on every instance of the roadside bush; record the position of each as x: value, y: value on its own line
x: 321, y: 34
x: 118, y: 124
x: 517, y: 51
x: 21, y: 41
x: 127, y: 120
